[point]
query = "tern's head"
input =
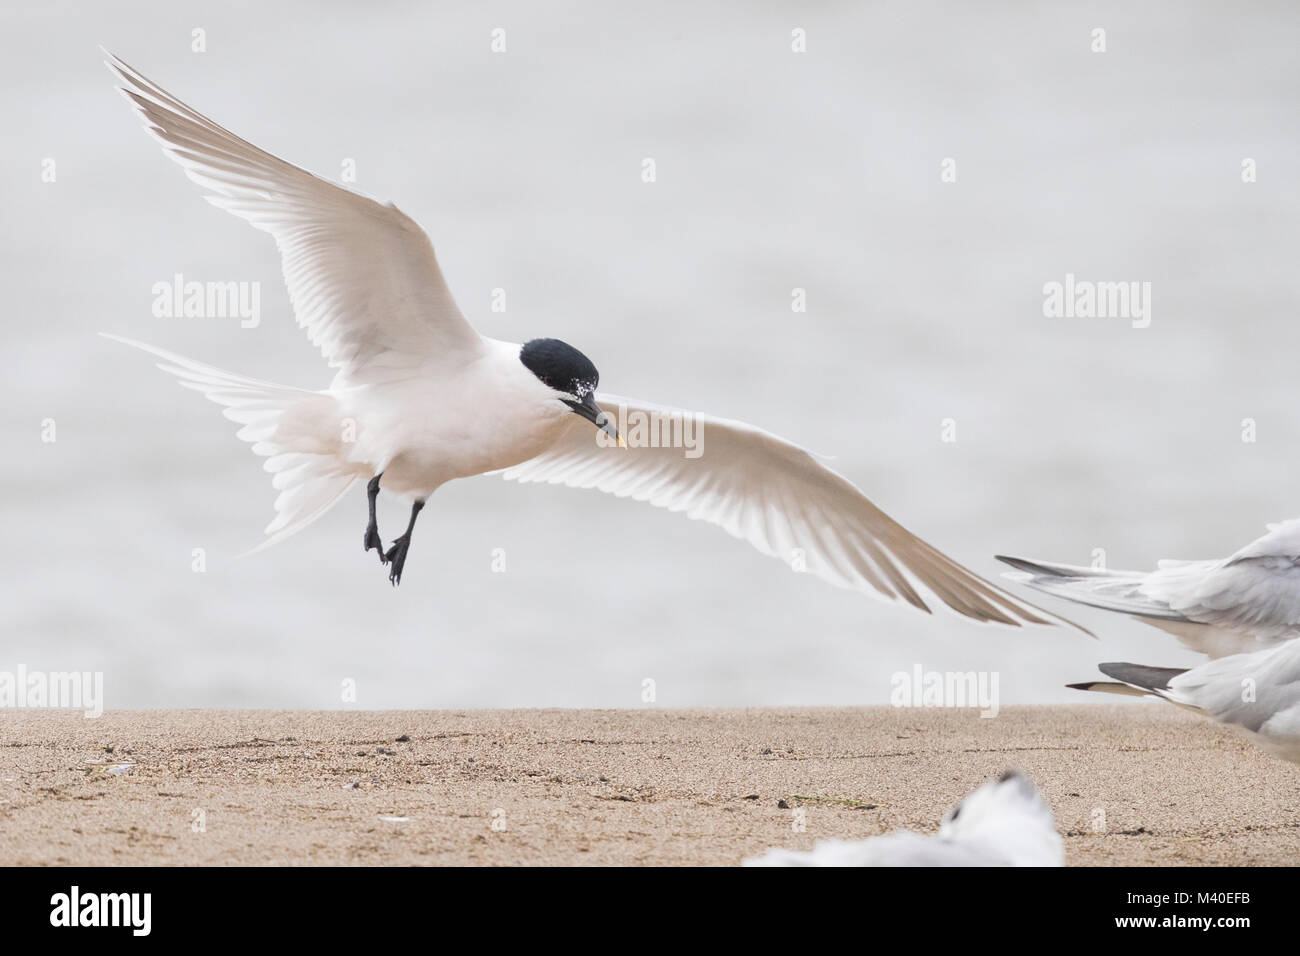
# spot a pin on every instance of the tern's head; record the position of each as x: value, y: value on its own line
x: 571, y: 376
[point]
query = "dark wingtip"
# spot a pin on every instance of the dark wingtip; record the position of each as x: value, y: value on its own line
x: 1022, y: 564
x: 1140, y: 675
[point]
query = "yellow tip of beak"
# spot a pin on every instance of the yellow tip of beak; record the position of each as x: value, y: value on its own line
x: 621, y: 443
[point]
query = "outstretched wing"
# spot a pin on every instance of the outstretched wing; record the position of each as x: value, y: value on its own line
x: 362, y: 276
x: 778, y: 497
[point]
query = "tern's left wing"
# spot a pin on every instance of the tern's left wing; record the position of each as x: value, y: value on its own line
x: 779, y: 498
x: 362, y: 276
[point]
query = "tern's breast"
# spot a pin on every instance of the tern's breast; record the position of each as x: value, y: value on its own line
x: 427, y: 430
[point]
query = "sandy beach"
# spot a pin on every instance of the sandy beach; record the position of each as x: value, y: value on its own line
x: 617, y: 786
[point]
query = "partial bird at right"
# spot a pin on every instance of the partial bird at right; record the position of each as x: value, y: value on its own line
x: 1243, y: 612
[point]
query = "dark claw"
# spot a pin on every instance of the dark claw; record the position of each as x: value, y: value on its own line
x: 396, y: 558
x: 374, y: 541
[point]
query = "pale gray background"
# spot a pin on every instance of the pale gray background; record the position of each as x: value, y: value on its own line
x: 775, y: 170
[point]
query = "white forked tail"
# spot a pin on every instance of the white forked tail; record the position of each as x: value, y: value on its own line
x: 297, y: 431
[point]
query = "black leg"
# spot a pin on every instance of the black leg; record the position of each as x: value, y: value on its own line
x: 397, y: 553
x: 372, y: 529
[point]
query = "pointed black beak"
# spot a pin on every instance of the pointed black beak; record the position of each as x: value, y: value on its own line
x: 588, y: 409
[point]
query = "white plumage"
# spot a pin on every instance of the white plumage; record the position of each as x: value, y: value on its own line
x: 1004, y: 823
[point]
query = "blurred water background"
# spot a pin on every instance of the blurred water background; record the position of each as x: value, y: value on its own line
x: 775, y: 170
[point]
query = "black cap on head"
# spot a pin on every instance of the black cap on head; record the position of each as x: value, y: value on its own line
x: 560, y: 366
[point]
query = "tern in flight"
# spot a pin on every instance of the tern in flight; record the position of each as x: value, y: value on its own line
x: 419, y: 398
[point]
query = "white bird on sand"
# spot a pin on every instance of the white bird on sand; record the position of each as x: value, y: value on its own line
x: 1003, y: 823
x: 1233, y: 605
x: 419, y: 398
x: 1242, y: 611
